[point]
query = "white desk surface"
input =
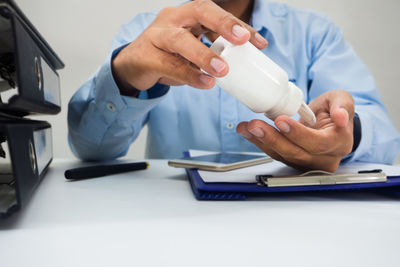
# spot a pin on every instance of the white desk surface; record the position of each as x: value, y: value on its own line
x: 151, y: 218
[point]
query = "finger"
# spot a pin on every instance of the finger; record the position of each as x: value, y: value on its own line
x: 273, y: 139
x: 340, y: 116
x: 213, y: 17
x: 341, y: 107
x: 242, y: 130
x: 184, y: 43
x: 256, y: 39
x: 180, y: 70
x: 314, y: 141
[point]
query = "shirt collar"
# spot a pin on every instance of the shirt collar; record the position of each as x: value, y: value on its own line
x: 264, y: 15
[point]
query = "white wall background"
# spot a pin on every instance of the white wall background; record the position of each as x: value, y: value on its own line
x: 81, y: 31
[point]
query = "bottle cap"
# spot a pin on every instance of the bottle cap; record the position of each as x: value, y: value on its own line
x: 307, y: 115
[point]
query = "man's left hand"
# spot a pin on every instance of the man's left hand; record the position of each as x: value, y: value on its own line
x: 321, y: 147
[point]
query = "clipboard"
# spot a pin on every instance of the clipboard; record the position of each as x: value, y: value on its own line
x: 241, y: 191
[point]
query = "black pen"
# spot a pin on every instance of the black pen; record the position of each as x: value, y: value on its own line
x: 104, y: 170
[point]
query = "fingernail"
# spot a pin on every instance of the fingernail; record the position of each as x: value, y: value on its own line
x: 283, y: 127
x: 246, y: 134
x: 260, y: 39
x: 344, y: 110
x: 239, y: 31
x: 257, y: 132
x: 218, y: 65
x: 205, y: 79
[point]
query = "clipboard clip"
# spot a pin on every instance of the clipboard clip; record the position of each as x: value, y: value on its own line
x: 318, y: 177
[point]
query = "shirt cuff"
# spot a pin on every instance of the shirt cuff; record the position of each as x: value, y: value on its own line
x: 366, y: 137
x: 110, y: 103
x: 156, y: 91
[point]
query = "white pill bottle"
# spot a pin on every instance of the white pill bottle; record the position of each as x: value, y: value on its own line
x: 259, y: 83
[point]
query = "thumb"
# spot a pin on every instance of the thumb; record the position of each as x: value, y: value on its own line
x: 341, y: 107
x: 340, y: 116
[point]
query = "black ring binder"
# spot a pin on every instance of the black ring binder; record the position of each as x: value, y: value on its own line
x: 28, y: 66
x: 29, y: 84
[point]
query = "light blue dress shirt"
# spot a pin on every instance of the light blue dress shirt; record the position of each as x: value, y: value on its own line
x: 103, y: 124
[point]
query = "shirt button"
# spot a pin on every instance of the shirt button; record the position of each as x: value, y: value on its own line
x: 280, y: 11
x: 230, y: 125
x: 111, y: 106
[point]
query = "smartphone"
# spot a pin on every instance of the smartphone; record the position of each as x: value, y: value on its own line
x: 220, y: 162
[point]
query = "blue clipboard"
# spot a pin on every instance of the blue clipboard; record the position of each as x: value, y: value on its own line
x: 240, y: 191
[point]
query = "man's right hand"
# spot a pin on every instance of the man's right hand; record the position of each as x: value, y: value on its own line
x: 170, y: 52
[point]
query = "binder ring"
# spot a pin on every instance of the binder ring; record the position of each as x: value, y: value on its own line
x: 32, y: 156
x: 38, y: 73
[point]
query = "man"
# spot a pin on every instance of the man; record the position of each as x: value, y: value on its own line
x: 156, y: 63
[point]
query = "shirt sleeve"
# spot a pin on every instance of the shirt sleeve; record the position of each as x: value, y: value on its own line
x: 335, y: 65
x: 101, y: 122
